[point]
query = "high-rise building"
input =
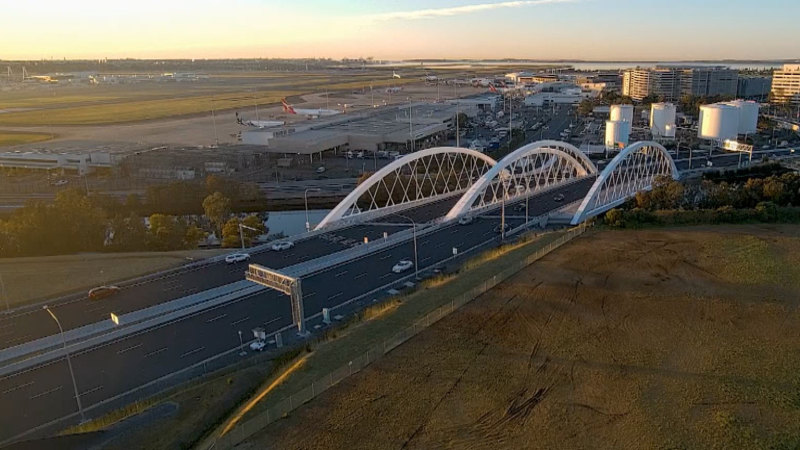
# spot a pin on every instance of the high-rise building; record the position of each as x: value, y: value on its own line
x: 754, y: 87
x: 673, y: 82
x: 786, y: 84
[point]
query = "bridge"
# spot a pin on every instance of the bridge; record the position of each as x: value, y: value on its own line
x: 186, y: 321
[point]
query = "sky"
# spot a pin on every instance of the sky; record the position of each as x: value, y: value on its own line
x: 624, y: 30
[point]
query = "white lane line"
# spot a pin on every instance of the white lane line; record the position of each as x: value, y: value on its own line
x: 360, y: 276
x: 46, y: 392
x: 467, y: 233
x: 309, y: 294
x: 335, y: 295
x: 192, y: 352
x: 424, y: 259
x: 91, y: 390
x: 153, y: 353
x: 18, y: 339
x: 440, y: 244
x: 340, y: 273
x: 15, y: 388
x: 119, y: 352
x: 385, y: 275
x: 386, y: 257
x: 240, y: 321
x: 273, y: 320
x: 221, y: 316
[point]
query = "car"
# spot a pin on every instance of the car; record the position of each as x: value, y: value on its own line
x: 393, y: 154
x: 60, y: 183
x: 558, y: 198
x: 402, y: 266
x: 465, y: 220
x: 360, y: 155
x: 237, y: 257
x: 258, y: 346
x: 349, y: 155
x: 382, y: 154
x: 505, y: 228
x: 321, y: 169
x: 102, y: 292
x: 282, y: 245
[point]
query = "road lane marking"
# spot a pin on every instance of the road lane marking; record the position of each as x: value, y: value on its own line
x: 360, y: 276
x: 424, y: 259
x: 340, y: 273
x: 221, y: 316
x: 18, y: 387
x: 91, y: 390
x: 386, y: 257
x: 162, y: 349
x: 192, y: 352
x: 309, y: 294
x: 385, y: 275
x: 240, y: 321
x: 18, y: 338
x: 335, y: 295
x: 46, y: 392
x: 119, y: 352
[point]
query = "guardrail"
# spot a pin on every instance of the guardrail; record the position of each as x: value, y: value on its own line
x: 292, y: 402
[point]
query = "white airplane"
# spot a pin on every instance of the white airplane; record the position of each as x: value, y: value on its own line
x: 287, y: 108
x: 395, y: 74
x: 259, y: 123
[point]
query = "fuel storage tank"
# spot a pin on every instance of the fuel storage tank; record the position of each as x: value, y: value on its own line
x: 718, y: 121
x: 617, y: 134
x: 621, y: 113
x: 748, y: 116
x: 662, y: 120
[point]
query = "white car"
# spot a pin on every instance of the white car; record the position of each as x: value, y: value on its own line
x: 237, y: 257
x: 283, y: 245
x: 465, y: 220
x: 402, y: 266
x: 258, y: 346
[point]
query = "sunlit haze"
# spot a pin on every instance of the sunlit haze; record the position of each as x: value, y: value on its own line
x: 538, y: 29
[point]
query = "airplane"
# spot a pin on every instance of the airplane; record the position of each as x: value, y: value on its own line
x: 259, y: 123
x: 287, y: 108
x: 395, y: 74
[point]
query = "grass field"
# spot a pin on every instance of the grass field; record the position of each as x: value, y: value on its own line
x: 120, y: 104
x: 8, y: 138
x: 624, y: 339
x: 23, y: 277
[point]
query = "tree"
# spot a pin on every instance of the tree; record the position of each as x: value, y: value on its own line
x: 230, y: 233
x: 217, y: 208
x: 166, y: 232
x: 774, y: 190
x: 193, y: 236
x: 127, y: 233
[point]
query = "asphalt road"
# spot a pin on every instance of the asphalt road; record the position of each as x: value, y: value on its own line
x: 44, y: 393
x: 34, y: 323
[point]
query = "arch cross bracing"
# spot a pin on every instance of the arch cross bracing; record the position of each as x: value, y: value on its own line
x: 426, y: 175
x: 531, y: 168
x: 631, y: 171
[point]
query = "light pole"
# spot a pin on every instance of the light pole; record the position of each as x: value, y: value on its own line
x: 241, y: 345
x: 241, y: 233
x: 69, y: 363
x: 503, y: 217
x: 414, y: 227
x: 214, y: 122
x: 3, y: 290
x: 305, y: 197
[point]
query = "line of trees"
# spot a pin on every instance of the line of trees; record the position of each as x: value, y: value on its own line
x: 172, y: 217
x: 771, y: 198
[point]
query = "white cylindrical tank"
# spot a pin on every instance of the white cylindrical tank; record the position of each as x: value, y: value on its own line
x: 718, y: 121
x: 621, y: 113
x: 617, y: 133
x: 662, y: 119
x: 748, y: 116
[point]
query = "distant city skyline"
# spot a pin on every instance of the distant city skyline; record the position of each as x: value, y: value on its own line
x: 590, y: 30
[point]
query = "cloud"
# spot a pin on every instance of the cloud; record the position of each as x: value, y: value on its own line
x: 457, y: 10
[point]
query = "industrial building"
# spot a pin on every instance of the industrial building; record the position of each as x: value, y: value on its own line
x: 82, y: 164
x: 786, y: 85
x: 397, y: 128
x: 671, y: 83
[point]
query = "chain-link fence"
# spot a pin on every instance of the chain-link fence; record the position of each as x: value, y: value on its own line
x: 290, y: 403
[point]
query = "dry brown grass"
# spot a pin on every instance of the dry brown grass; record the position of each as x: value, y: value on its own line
x: 634, y: 339
x: 69, y: 273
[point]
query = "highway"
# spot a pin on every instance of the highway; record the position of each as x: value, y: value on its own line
x: 33, y: 323
x: 44, y: 393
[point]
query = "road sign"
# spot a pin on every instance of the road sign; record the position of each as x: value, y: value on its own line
x: 115, y: 319
x: 281, y: 282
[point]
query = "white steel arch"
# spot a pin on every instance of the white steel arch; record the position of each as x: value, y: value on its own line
x: 631, y: 171
x: 531, y: 168
x: 428, y: 174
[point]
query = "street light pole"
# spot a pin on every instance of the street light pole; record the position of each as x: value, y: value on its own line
x: 503, y: 217
x: 214, y: 122
x: 241, y: 345
x: 69, y: 363
x: 241, y: 234
x: 305, y: 198
x: 3, y: 290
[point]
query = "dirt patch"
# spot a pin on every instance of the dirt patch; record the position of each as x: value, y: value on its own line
x: 626, y: 339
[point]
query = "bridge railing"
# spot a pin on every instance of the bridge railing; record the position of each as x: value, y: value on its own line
x: 361, y: 361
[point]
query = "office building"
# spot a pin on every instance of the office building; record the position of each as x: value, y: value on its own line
x: 670, y: 83
x: 754, y: 88
x: 786, y: 85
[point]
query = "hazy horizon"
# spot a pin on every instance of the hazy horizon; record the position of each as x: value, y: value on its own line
x: 586, y: 30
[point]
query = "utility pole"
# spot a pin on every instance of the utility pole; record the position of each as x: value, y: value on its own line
x: 214, y: 122
x: 3, y: 290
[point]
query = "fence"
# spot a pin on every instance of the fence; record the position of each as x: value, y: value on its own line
x: 290, y: 403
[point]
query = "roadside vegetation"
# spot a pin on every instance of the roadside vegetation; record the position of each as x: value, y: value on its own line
x: 766, y: 194
x: 179, y: 216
